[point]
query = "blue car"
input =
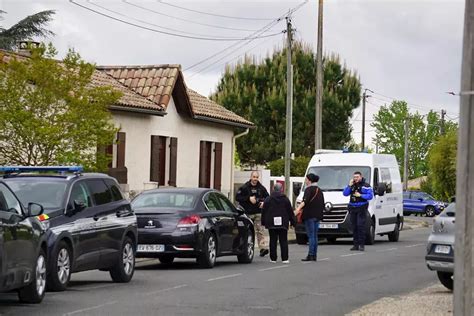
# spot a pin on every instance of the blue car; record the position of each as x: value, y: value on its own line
x: 421, y: 203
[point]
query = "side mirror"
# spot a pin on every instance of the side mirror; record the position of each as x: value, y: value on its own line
x: 79, y: 205
x: 297, y: 188
x: 240, y: 210
x: 35, y: 209
x: 381, y: 189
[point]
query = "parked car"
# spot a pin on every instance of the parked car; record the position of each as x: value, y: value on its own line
x: 22, y: 248
x: 421, y: 203
x: 91, y: 224
x: 440, y: 249
x: 192, y: 223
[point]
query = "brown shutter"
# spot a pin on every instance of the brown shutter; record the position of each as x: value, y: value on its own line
x: 154, y: 158
x: 218, y: 166
x: 205, y: 164
x: 162, y: 160
x: 121, y: 149
x: 173, y: 161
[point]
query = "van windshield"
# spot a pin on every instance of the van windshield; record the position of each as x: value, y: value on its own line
x: 336, y: 178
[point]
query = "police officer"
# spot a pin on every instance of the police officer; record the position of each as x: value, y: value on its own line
x: 360, y: 194
x: 251, y: 196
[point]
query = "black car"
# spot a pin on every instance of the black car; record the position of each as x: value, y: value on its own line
x: 91, y: 224
x: 192, y: 223
x: 22, y: 248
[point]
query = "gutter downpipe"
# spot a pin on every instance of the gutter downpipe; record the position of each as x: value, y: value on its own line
x: 232, y: 197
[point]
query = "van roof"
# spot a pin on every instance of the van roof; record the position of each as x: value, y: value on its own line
x: 353, y: 159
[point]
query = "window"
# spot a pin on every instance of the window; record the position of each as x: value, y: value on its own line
x: 163, y: 162
x: 210, y: 166
x: 80, y: 192
x: 226, y: 204
x: 336, y: 178
x: 116, y: 193
x: 211, y: 202
x: 8, y: 202
x: 406, y: 195
x: 386, y: 178
x: 100, y: 192
x: 165, y: 200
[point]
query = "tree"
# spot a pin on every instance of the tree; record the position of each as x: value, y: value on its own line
x: 389, y: 124
x: 298, y: 166
x: 27, y: 28
x: 256, y: 90
x: 51, y: 114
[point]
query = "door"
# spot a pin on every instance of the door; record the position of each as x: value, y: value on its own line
x: 378, y: 203
x: 222, y: 222
x: 235, y: 231
x: 417, y: 202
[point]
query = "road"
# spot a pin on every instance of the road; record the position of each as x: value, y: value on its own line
x: 338, y: 283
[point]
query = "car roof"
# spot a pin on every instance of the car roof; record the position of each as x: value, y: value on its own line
x: 55, y: 176
x: 179, y: 190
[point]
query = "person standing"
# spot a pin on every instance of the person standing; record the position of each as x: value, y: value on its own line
x: 312, y: 207
x: 277, y: 214
x: 360, y: 194
x: 251, y: 197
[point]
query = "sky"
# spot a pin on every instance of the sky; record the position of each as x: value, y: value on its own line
x: 401, y: 49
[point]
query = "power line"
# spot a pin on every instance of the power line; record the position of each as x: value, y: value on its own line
x: 185, y: 20
x: 169, y: 33
x: 214, y: 14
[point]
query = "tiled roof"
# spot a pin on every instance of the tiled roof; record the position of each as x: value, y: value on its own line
x: 202, y: 106
x: 155, y: 82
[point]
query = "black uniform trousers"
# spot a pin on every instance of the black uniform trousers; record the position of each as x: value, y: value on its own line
x: 358, y: 222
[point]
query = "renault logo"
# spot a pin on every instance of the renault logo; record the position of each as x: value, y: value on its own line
x: 150, y: 223
x: 328, y: 206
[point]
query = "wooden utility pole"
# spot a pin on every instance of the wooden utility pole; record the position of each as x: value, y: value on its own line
x: 442, y: 129
x: 463, y: 263
x: 406, y: 154
x: 364, y: 99
x: 318, y: 118
x: 289, y: 107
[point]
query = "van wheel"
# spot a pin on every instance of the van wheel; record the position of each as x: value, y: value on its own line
x: 446, y: 279
x: 301, y: 239
x: 370, y: 237
x: 395, y: 235
x: 33, y: 293
x: 61, y: 264
x: 122, y: 271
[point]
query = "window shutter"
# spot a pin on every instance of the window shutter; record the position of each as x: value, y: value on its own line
x: 173, y: 161
x: 121, y: 149
x: 218, y: 166
x: 154, y: 158
x: 205, y: 164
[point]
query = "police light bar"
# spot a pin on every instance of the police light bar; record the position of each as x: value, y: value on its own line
x: 15, y: 169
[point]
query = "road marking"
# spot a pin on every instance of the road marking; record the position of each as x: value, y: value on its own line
x: 262, y: 307
x: 353, y: 254
x: 324, y: 259
x: 89, y: 308
x: 416, y: 245
x: 225, y: 277
x: 94, y: 287
x: 166, y: 290
x: 385, y: 250
x: 273, y: 268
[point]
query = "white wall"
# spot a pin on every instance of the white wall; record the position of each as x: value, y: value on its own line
x: 140, y: 127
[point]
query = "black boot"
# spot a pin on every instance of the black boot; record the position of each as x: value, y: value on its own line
x: 308, y: 258
x: 354, y: 248
x: 315, y: 258
x: 361, y: 248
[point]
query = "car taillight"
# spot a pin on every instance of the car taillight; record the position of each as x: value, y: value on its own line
x: 189, y: 221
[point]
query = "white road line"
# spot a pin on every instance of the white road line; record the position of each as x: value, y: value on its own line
x: 324, y: 259
x: 225, y: 277
x: 89, y: 308
x: 352, y: 254
x: 416, y: 245
x: 166, y: 290
x: 273, y: 268
x: 385, y: 250
x: 87, y: 288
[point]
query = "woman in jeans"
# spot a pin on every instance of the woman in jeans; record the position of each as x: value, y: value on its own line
x: 312, y: 208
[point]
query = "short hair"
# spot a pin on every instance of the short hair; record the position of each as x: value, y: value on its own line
x: 359, y: 173
x: 278, y: 187
x: 255, y: 172
x: 312, y: 177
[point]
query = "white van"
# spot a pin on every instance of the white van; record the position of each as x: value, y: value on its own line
x: 335, y: 169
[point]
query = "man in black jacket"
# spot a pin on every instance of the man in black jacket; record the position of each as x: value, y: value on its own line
x: 277, y: 213
x: 251, y: 196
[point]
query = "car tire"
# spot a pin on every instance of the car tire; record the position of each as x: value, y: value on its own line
x: 249, y: 248
x: 430, y: 211
x: 34, y: 292
x: 123, y: 271
x: 370, y: 235
x: 395, y: 235
x: 301, y: 239
x: 166, y: 259
x: 207, y: 259
x: 61, y: 267
x: 446, y: 279
x: 331, y: 240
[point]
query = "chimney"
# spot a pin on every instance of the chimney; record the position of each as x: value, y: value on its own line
x: 25, y: 47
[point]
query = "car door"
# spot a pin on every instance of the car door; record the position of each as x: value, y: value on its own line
x: 378, y: 200
x: 237, y: 230
x: 417, y: 202
x: 221, y: 222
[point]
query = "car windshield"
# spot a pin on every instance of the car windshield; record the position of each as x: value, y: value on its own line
x: 47, y: 192
x: 426, y: 196
x: 175, y: 200
x: 336, y: 178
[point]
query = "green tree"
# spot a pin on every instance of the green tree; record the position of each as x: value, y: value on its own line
x: 27, y: 28
x: 256, y: 90
x: 297, y: 166
x: 51, y: 114
x: 389, y: 124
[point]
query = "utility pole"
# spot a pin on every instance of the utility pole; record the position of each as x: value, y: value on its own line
x: 406, y: 154
x: 443, y: 114
x: 318, y: 118
x: 364, y: 98
x: 463, y: 265
x: 289, y: 106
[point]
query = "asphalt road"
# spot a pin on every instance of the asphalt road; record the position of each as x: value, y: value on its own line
x: 338, y: 283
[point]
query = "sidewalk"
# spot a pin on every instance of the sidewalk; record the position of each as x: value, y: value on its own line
x: 433, y: 300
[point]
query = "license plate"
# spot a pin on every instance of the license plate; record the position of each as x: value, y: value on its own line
x: 331, y: 226
x: 443, y: 249
x: 151, y: 248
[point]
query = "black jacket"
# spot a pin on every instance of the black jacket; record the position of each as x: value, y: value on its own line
x: 248, y: 190
x: 277, y: 205
x: 313, y: 207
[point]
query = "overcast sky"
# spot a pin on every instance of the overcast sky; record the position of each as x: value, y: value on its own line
x: 403, y: 49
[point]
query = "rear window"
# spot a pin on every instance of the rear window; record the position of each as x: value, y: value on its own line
x: 176, y: 200
x: 47, y: 192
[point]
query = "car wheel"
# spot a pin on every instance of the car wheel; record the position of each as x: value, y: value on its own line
x: 370, y: 237
x: 395, y: 235
x: 123, y: 271
x: 446, y: 279
x: 166, y: 259
x: 430, y: 211
x: 249, y: 249
x: 331, y: 240
x: 207, y: 258
x: 33, y: 293
x: 60, y: 274
x: 301, y: 239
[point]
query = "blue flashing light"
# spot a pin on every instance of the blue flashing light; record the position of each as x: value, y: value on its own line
x: 16, y: 169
